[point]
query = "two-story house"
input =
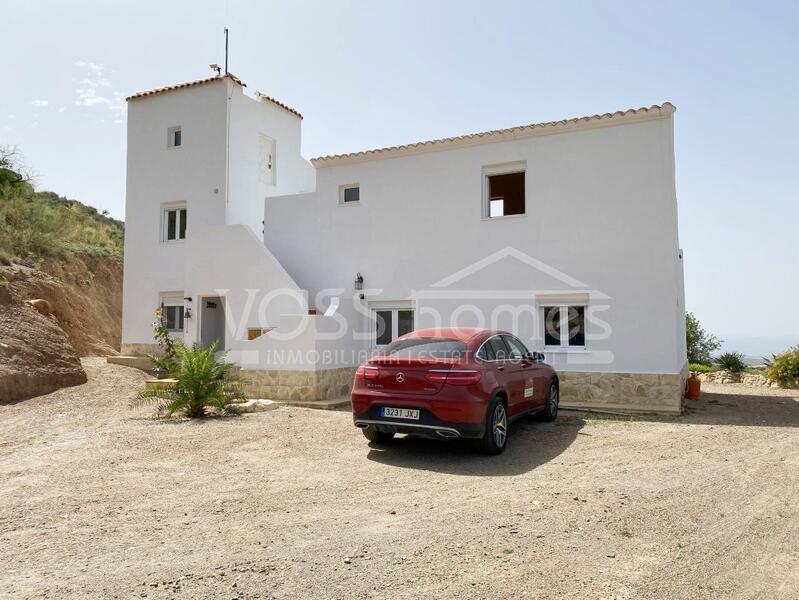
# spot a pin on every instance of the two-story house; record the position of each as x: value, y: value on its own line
x: 564, y: 233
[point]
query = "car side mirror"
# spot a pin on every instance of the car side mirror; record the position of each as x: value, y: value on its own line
x: 537, y: 357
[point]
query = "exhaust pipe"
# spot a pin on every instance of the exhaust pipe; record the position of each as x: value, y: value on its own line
x: 446, y: 433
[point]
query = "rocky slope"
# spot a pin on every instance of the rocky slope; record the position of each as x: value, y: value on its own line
x: 40, y: 353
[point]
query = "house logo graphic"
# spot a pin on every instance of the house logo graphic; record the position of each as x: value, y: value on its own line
x: 552, y: 311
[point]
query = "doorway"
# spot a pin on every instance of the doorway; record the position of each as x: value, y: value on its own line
x: 212, y: 321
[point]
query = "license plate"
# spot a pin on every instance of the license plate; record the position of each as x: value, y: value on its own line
x: 400, y: 413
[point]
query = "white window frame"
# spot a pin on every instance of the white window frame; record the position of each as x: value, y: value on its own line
x: 348, y: 186
x: 394, y: 321
x: 173, y: 299
x: 170, y: 137
x: 165, y: 210
x: 501, y: 169
x: 564, y: 345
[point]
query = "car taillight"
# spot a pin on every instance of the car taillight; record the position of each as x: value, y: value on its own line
x: 453, y: 376
x: 366, y: 372
x: 437, y: 375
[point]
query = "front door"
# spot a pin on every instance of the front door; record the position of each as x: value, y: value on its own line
x: 212, y: 321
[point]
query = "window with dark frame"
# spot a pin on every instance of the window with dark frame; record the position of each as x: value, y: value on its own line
x: 506, y: 194
x: 352, y: 194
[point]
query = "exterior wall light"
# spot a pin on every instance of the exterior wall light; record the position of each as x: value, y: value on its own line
x: 358, y: 284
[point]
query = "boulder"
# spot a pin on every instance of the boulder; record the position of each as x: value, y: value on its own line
x: 42, y: 305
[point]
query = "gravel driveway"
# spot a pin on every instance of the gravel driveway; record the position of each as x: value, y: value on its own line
x: 99, y: 501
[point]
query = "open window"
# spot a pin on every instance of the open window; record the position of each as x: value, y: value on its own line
x: 504, y: 190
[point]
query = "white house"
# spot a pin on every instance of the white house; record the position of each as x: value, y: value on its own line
x: 564, y: 233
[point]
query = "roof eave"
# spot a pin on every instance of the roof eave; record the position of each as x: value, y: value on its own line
x: 664, y: 110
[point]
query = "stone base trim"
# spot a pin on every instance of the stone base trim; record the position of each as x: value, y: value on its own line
x: 653, y: 393
x: 298, y: 386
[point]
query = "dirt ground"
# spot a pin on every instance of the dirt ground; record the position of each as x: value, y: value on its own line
x: 99, y: 501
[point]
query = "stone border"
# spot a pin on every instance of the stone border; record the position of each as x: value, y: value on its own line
x: 659, y: 393
x: 298, y: 386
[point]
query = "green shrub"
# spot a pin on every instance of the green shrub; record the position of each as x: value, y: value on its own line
x: 699, y: 343
x: 783, y: 368
x: 35, y: 225
x: 732, y: 362
x: 699, y: 368
x: 166, y: 361
x: 203, y: 380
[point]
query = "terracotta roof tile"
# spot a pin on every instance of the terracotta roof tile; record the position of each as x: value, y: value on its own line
x: 263, y: 96
x: 179, y: 86
x: 488, y: 136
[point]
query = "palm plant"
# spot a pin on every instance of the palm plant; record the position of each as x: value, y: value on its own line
x: 732, y: 362
x: 202, y: 380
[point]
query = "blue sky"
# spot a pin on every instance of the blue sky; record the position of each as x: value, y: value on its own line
x: 370, y: 74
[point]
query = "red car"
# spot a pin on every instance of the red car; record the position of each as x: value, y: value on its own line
x: 453, y: 383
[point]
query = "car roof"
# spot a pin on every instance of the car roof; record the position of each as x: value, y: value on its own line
x: 463, y: 334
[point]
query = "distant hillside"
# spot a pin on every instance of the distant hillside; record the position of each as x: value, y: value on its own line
x: 36, y: 225
x: 68, y: 254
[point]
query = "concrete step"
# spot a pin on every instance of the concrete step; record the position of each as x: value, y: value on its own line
x: 152, y: 384
x: 137, y: 362
x: 332, y: 404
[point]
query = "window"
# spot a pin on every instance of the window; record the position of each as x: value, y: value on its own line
x: 517, y: 349
x: 267, y: 159
x: 172, y: 312
x: 174, y: 137
x: 391, y: 323
x: 174, y: 226
x: 504, y: 190
x: 568, y: 319
x: 349, y: 194
x: 498, y: 348
x: 429, y: 347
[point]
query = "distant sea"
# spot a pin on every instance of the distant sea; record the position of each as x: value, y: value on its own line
x: 755, y: 347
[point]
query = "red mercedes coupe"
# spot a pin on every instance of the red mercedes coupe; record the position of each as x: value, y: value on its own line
x: 453, y: 383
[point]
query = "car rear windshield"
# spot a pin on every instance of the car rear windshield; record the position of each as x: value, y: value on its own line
x: 427, y: 347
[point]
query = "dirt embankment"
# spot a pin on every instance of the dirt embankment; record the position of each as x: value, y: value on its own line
x: 40, y: 353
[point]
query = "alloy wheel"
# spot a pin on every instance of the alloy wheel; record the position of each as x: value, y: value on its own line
x: 500, y: 426
x: 553, y: 400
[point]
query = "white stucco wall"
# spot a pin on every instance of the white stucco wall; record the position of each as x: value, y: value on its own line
x: 230, y: 262
x: 250, y: 118
x: 193, y: 173
x: 600, y: 207
x: 220, y: 128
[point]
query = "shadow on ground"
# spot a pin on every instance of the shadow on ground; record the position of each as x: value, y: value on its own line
x: 532, y: 443
x: 749, y: 409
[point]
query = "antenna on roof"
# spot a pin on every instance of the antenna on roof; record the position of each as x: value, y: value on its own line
x: 226, y: 36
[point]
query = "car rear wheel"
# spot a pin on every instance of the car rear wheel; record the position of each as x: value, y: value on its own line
x: 495, y: 437
x: 379, y: 437
x: 550, y: 412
